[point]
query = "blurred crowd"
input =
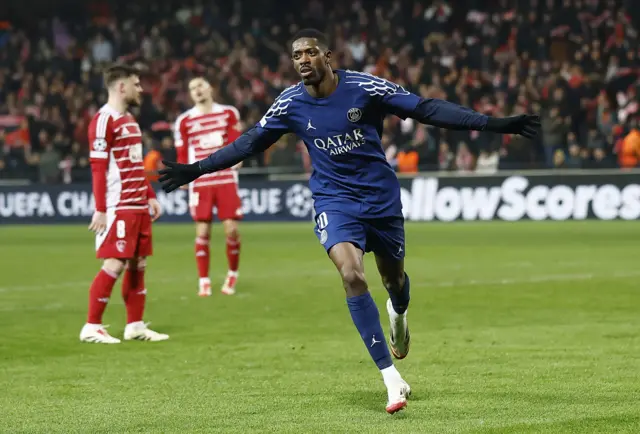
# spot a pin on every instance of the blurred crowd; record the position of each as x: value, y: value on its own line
x: 573, y: 61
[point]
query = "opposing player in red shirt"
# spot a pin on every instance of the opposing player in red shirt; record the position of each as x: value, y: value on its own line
x: 200, y: 131
x: 124, y: 200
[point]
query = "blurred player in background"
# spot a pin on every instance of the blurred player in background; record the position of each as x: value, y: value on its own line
x: 124, y: 200
x: 339, y: 115
x: 200, y: 131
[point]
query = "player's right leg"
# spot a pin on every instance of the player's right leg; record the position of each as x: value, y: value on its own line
x: 201, y: 207
x: 349, y: 261
x: 344, y: 239
x: 99, y: 293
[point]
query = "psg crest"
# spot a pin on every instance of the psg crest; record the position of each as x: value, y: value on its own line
x: 354, y: 114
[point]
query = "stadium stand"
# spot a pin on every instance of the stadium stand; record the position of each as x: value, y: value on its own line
x: 573, y: 61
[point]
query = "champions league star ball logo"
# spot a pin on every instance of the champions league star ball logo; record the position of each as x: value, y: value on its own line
x: 299, y: 200
x: 99, y: 145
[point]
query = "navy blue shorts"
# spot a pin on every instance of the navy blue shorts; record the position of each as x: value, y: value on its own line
x: 382, y: 236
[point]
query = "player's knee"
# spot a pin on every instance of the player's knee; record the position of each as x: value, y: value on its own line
x: 113, y: 265
x: 354, y: 281
x: 231, y: 231
x: 233, y: 234
x: 202, y: 230
x: 137, y: 264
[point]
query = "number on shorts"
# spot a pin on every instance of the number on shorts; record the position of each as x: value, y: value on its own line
x: 120, y: 230
x: 322, y: 220
x: 194, y: 199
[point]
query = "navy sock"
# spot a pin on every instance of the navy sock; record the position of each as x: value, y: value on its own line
x: 400, y: 300
x: 366, y: 317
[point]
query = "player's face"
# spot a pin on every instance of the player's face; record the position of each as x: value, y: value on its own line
x: 132, y: 90
x: 200, y: 91
x: 309, y: 60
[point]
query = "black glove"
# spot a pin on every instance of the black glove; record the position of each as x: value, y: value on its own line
x: 174, y: 174
x: 524, y: 125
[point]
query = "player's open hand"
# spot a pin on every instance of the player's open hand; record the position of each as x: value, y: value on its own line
x: 524, y: 125
x: 175, y: 174
x: 98, y: 222
x: 155, y: 208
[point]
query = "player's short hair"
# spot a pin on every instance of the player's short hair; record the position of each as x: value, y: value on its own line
x: 199, y: 77
x: 118, y: 71
x: 322, y: 39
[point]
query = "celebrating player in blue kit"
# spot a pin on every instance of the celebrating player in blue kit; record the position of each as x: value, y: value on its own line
x: 339, y: 115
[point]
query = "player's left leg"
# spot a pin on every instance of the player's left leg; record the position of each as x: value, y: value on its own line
x: 344, y: 238
x: 134, y: 291
x: 397, y: 283
x: 229, y: 206
x: 134, y: 294
x: 203, y: 237
x: 386, y: 238
x: 233, y: 255
x: 348, y: 259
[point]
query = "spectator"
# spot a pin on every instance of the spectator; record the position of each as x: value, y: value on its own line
x: 517, y: 153
x: 629, y: 152
x: 152, y: 163
x: 415, y: 154
x: 49, y: 164
x: 283, y: 154
x: 601, y: 160
x: 606, y: 117
x: 554, y: 131
x: 595, y: 140
x: 487, y: 163
x: 102, y: 50
x: 559, y: 160
x: 574, y: 160
x: 464, y: 159
x: 445, y: 157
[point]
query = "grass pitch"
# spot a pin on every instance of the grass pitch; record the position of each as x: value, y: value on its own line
x: 516, y: 328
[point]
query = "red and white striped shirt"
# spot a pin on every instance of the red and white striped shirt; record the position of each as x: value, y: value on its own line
x: 197, y: 135
x: 119, y: 181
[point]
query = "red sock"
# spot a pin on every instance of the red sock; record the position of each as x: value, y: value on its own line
x: 233, y: 253
x: 202, y: 256
x: 99, y: 294
x: 134, y: 293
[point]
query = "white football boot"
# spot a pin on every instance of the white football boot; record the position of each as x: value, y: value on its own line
x: 399, y: 338
x: 398, y: 391
x: 140, y: 332
x: 205, y: 287
x: 229, y: 286
x: 97, y: 334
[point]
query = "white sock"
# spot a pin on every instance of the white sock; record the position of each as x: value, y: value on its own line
x: 390, y: 374
x: 232, y: 274
x: 204, y: 280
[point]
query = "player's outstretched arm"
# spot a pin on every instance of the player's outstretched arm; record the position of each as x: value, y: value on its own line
x: 445, y: 114
x: 448, y: 115
x: 251, y: 142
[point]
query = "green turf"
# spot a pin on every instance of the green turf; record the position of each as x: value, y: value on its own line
x: 517, y: 328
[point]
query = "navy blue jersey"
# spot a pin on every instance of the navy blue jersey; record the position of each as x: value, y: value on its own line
x: 342, y: 134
